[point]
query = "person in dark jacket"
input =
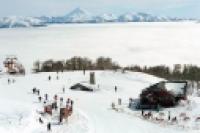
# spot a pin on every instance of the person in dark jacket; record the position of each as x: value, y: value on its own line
x: 115, y: 88
x: 46, y: 96
x: 63, y: 89
x: 34, y: 90
x: 40, y: 98
x: 38, y: 92
x: 40, y: 120
x: 49, y: 77
x: 8, y: 81
x: 169, y: 117
x: 49, y: 126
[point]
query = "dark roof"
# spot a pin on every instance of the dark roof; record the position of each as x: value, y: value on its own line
x: 81, y: 86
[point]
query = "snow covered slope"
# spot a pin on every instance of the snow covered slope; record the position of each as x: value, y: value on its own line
x: 92, y: 110
x: 92, y: 113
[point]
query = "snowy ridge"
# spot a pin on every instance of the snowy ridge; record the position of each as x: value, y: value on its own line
x: 13, y: 22
x: 107, y: 17
x: 79, y: 15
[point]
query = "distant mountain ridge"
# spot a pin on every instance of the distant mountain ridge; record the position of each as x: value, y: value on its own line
x: 13, y: 22
x: 79, y: 15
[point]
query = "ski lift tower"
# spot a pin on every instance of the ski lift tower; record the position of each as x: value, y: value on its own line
x: 13, y: 66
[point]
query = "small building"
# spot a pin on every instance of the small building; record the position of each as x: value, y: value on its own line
x: 83, y: 87
x: 163, y: 94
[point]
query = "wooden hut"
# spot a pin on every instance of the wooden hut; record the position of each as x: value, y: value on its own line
x: 163, y: 94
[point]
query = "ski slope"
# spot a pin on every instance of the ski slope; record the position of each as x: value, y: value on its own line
x: 92, y: 110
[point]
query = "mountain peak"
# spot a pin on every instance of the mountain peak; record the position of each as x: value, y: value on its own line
x: 78, y: 15
x: 78, y: 11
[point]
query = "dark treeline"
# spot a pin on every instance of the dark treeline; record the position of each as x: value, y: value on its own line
x: 75, y: 63
x: 177, y: 72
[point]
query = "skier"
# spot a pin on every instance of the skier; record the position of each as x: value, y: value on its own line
x: 46, y: 96
x: 60, y: 119
x: 49, y: 77
x: 169, y: 117
x: 63, y: 90
x: 34, y: 90
x: 115, y: 88
x: 49, y: 126
x: 130, y: 102
x: 119, y: 101
x: 113, y: 105
x: 56, y: 106
x: 40, y: 98
x: 72, y: 103
x: 61, y: 101
x: 55, y: 97
x: 38, y: 92
x: 68, y: 103
x: 8, y: 81
x: 142, y: 112
x: 40, y: 120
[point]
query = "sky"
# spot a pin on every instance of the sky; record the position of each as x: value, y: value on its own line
x: 172, y: 8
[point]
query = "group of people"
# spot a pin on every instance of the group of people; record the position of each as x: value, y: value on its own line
x: 149, y: 114
x: 57, y: 77
x: 11, y: 81
x: 54, y: 104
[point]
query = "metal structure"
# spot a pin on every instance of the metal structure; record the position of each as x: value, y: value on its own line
x: 13, y: 66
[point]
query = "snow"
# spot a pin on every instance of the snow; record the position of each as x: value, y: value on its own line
x: 131, y: 43
x: 106, y: 17
x: 176, y: 88
x: 138, y: 43
x: 92, y: 110
x: 19, y: 112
